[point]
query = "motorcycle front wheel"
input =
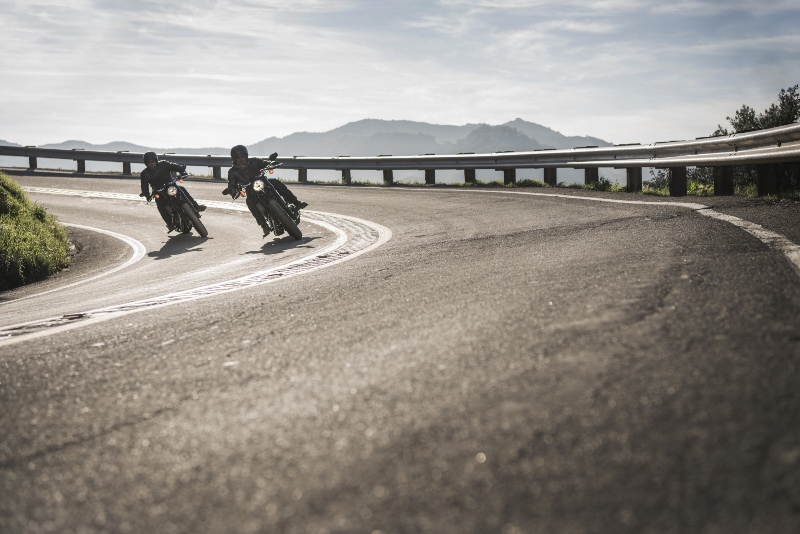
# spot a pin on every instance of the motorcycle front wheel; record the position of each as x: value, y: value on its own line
x: 284, y: 218
x: 195, y: 220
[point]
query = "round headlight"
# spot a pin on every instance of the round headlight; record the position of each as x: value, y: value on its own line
x: 258, y: 185
x: 172, y: 190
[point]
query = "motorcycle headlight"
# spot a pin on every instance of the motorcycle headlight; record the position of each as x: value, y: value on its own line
x: 258, y: 185
x: 172, y: 190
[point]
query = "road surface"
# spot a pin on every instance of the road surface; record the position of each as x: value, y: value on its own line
x: 486, y: 361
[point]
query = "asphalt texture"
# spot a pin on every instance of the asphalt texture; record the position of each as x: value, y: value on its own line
x: 505, y: 363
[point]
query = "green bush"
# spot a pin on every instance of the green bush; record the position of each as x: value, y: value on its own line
x: 32, y: 243
x: 530, y: 183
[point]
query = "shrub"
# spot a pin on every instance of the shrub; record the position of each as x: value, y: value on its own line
x: 32, y: 243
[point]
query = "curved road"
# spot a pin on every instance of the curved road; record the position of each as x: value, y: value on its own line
x: 495, y: 362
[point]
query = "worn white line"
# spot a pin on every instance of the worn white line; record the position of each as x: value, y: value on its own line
x: 354, y: 237
x: 773, y: 240
x: 138, y: 253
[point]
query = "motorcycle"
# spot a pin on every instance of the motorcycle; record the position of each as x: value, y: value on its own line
x: 184, y: 215
x: 279, y: 214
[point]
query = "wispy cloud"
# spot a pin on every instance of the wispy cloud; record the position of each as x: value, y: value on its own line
x: 220, y: 72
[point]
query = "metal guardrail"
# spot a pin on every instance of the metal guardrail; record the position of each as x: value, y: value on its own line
x: 761, y: 147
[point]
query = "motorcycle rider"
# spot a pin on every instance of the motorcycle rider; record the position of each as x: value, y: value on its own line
x: 244, y: 170
x: 156, y: 175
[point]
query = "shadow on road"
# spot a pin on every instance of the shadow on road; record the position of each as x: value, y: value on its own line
x: 179, y: 244
x: 278, y: 246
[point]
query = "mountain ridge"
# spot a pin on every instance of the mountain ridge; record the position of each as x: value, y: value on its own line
x: 372, y: 137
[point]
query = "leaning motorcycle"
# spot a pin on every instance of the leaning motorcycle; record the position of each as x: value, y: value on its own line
x: 184, y: 215
x: 279, y: 214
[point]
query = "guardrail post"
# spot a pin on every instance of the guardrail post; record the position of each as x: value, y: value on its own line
x: 723, y: 181
x: 551, y: 176
x: 509, y: 176
x: 81, y: 162
x: 126, y: 165
x: 591, y: 176
x: 767, y: 179
x: 430, y: 176
x: 32, y: 163
x: 216, y: 170
x: 469, y: 176
x: 634, y: 179
x: 677, y: 181
x: 347, y: 177
x: 388, y: 177
x: 302, y: 175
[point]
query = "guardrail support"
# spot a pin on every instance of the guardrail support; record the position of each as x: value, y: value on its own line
x: 469, y: 176
x: 551, y: 176
x: 347, y: 177
x: 81, y: 166
x: 591, y: 176
x: 677, y: 181
x: 302, y: 175
x: 388, y: 177
x: 723, y: 181
x: 216, y: 171
x: 509, y: 176
x: 32, y: 163
x: 634, y: 179
x: 767, y: 179
x: 126, y: 168
x: 430, y: 176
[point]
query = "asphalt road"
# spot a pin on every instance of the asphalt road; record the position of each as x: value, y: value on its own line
x: 507, y: 363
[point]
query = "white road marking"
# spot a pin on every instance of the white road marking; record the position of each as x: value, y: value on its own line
x: 354, y: 237
x: 773, y: 240
x: 138, y: 253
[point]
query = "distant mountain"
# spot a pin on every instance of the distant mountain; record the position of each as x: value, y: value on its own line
x: 114, y: 146
x: 371, y: 137
x: 552, y: 138
x: 487, y: 138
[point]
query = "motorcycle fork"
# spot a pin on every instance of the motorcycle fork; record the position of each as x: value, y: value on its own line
x: 267, y: 215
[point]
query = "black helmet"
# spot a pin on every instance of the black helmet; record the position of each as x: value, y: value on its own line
x: 239, y: 150
x: 150, y: 156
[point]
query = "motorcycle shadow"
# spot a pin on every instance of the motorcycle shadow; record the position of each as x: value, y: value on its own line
x: 282, y: 244
x: 179, y: 244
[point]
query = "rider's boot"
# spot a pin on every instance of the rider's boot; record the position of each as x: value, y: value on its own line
x: 265, y: 227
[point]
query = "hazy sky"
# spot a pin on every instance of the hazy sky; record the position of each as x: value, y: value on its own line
x: 215, y: 73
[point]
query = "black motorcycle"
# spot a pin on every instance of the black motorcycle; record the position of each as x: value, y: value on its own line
x: 184, y: 215
x: 279, y: 214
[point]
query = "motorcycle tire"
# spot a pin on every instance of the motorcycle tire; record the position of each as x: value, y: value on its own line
x: 284, y: 218
x: 195, y: 220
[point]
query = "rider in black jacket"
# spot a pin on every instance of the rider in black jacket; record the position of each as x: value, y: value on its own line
x: 156, y: 175
x: 245, y: 169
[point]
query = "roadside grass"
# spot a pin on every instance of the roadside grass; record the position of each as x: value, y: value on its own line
x: 693, y: 189
x: 33, y: 245
x: 602, y: 184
